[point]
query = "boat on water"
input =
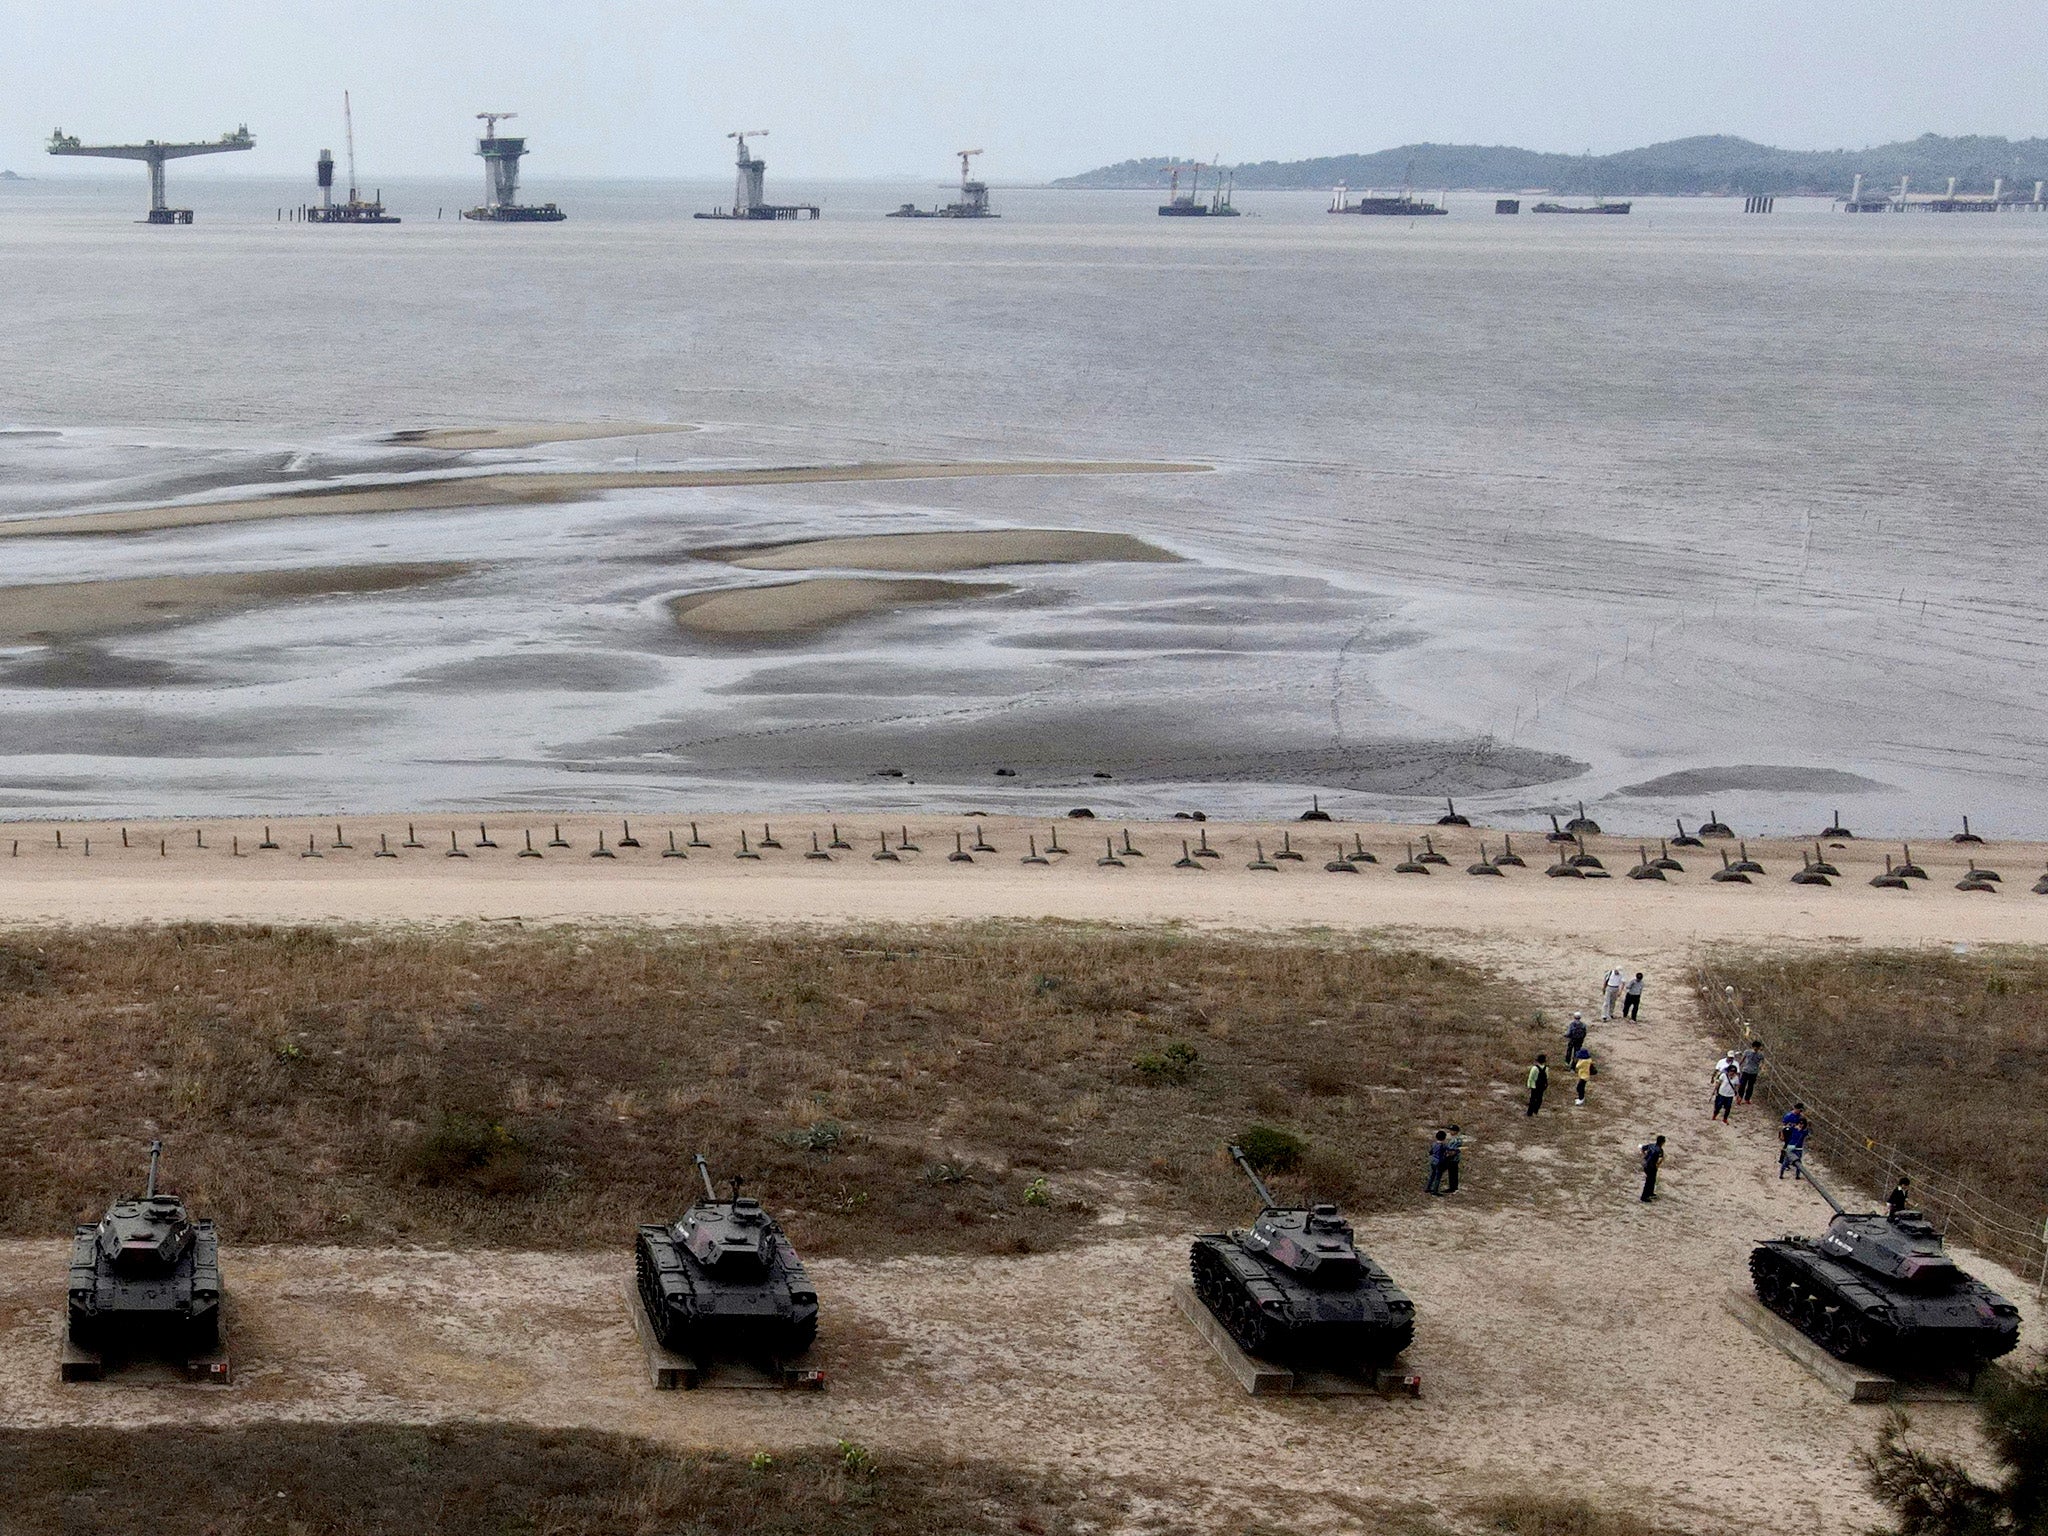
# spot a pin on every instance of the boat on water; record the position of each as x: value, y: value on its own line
x: 1603, y: 206
x: 973, y: 203
x: 1404, y: 204
x: 1190, y: 204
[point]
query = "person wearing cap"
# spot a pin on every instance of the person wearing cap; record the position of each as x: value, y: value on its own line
x: 1610, y: 993
x: 1582, y: 1069
x: 1574, y: 1037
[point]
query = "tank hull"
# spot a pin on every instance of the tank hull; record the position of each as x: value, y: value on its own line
x: 696, y: 1314
x: 1856, y: 1316
x: 1272, y: 1315
x: 173, y: 1313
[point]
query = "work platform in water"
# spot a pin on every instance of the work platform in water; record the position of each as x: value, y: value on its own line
x: 973, y: 202
x: 749, y: 196
x: 501, y: 158
x: 1404, y: 204
x: 358, y: 209
x: 1190, y: 204
x: 1951, y: 201
x: 154, y: 154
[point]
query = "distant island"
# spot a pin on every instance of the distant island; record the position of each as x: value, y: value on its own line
x: 1710, y: 165
x: 10, y: 176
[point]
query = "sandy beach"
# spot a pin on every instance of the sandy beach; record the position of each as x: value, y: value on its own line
x: 967, y: 550
x: 540, y: 487
x: 795, y: 607
x: 57, y: 611
x: 165, y: 873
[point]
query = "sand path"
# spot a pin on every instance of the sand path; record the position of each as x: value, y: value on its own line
x: 1575, y: 1342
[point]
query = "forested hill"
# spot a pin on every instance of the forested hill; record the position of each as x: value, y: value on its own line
x: 1711, y: 163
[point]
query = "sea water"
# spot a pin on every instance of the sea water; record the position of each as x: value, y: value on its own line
x: 1685, y: 508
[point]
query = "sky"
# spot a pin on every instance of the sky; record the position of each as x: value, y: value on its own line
x: 887, y: 88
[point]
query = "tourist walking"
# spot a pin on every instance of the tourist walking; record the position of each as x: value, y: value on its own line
x: 1792, y: 1129
x: 1748, y: 1065
x: 1724, y: 1089
x: 1632, y: 998
x: 1439, y: 1159
x: 1539, y: 1079
x: 1574, y: 1037
x: 1582, y: 1069
x: 1454, y: 1157
x: 1610, y: 994
x: 1652, y: 1154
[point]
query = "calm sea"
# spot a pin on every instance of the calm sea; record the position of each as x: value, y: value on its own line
x: 1682, y: 509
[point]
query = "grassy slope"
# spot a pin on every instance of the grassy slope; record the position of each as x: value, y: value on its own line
x: 1940, y: 1054
x: 546, y: 1090
x: 503, y: 1480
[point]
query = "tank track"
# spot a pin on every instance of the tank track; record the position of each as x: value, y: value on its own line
x: 1814, y: 1309
x: 787, y: 1341
x: 1233, y: 1299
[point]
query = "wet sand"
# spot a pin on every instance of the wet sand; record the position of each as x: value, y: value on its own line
x: 59, y: 611
x: 529, y: 435
x: 967, y: 550
x: 542, y: 487
x: 801, y: 607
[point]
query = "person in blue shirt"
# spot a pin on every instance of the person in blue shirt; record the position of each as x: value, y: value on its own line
x: 1439, y: 1163
x: 1792, y: 1131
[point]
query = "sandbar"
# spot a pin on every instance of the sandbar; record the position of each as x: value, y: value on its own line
x: 961, y: 550
x: 58, y: 611
x: 796, y: 607
x: 529, y: 434
x: 540, y: 486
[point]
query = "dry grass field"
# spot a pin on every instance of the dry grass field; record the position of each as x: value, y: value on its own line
x: 505, y: 1480
x: 1938, y: 1053
x: 483, y: 1479
x: 996, y: 1088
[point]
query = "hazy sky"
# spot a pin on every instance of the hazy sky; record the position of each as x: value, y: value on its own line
x: 1047, y: 87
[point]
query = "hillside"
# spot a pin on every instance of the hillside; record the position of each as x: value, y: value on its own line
x: 1709, y: 164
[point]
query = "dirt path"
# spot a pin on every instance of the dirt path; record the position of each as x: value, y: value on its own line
x: 1576, y: 1343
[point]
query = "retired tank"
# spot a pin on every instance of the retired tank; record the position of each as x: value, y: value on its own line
x: 147, y: 1278
x: 1881, y: 1289
x: 724, y: 1281
x: 1294, y: 1288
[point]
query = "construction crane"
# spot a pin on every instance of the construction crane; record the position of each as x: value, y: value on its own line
x: 154, y: 154
x: 490, y: 120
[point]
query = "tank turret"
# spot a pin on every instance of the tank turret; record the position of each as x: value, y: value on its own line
x: 1883, y: 1289
x: 725, y: 1281
x: 1295, y: 1287
x: 147, y: 1276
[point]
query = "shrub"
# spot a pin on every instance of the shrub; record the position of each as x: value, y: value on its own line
x: 471, y: 1152
x: 818, y: 1136
x: 1177, y: 1064
x: 1272, y: 1150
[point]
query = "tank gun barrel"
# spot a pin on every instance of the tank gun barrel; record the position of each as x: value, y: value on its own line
x: 1265, y: 1194
x: 1823, y: 1191
x: 704, y: 1172
x: 156, y: 1153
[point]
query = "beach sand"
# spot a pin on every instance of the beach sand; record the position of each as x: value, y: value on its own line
x: 1575, y: 1306
x: 967, y: 550
x: 799, y: 607
x: 529, y: 434
x: 540, y: 487
x: 59, y: 611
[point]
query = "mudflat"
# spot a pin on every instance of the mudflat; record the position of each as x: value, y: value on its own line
x: 966, y: 550
x: 796, y: 607
x: 58, y: 611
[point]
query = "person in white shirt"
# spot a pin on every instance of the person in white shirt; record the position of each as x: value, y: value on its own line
x: 1610, y: 994
x: 1725, y: 1074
